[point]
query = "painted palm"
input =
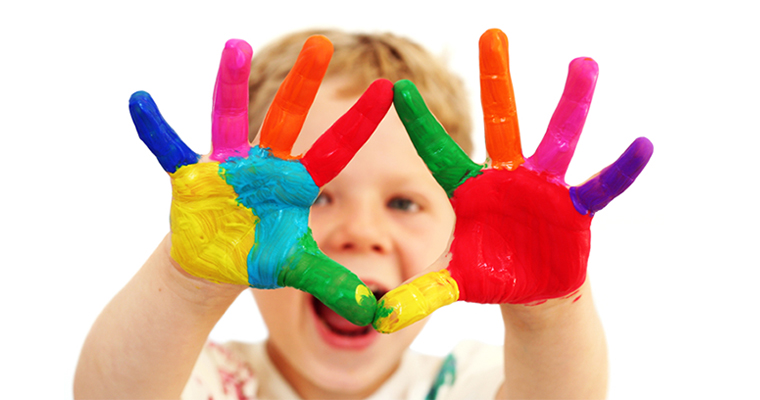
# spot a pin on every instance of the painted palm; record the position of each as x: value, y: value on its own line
x: 522, y: 234
x: 240, y: 214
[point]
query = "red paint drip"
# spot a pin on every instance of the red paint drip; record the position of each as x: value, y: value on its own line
x: 518, y: 238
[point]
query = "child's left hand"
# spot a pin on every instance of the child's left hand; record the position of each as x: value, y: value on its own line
x: 522, y: 234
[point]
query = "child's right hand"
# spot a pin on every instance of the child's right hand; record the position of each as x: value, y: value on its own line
x: 240, y: 215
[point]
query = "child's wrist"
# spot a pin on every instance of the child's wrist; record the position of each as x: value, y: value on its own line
x: 548, y: 313
x: 192, y: 288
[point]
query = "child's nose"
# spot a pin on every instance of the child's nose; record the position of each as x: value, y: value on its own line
x: 362, y: 230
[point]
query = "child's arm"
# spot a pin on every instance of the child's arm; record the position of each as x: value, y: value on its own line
x: 145, y: 342
x: 239, y: 218
x: 555, y: 350
x: 522, y: 235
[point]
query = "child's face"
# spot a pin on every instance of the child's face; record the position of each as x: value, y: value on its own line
x: 385, y: 218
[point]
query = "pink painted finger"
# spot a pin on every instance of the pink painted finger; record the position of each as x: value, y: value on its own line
x: 335, y: 148
x: 229, y: 117
x: 556, y: 150
x: 497, y: 98
x: 291, y: 104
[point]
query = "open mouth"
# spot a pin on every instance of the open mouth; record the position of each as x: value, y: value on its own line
x: 339, y: 325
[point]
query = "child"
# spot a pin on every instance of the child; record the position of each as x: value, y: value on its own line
x: 386, y: 219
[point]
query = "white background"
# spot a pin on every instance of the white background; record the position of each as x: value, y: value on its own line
x: 674, y: 275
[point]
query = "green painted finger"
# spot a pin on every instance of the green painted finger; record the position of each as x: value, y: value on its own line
x: 331, y: 283
x: 449, y: 164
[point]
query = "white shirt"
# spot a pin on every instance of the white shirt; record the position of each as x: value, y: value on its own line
x: 244, y: 371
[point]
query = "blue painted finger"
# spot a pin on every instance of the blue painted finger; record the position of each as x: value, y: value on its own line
x: 160, y: 138
x: 596, y: 193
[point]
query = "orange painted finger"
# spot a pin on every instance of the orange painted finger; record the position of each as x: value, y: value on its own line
x: 291, y: 104
x: 498, y: 101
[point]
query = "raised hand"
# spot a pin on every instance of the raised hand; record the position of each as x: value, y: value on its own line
x: 240, y: 215
x: 522, y: 234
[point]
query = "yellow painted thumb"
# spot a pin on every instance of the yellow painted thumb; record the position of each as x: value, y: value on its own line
x: 415, y: 300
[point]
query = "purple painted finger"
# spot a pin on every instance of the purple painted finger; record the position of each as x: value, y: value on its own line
x: 596, y: 193
x: 556, y: 150
x: 229, y: 118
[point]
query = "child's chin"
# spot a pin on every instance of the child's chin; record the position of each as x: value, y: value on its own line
x: 338, y: 333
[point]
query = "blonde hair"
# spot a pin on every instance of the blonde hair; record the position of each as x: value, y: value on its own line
x: 362, y: 58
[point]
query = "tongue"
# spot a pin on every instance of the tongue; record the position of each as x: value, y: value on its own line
x: 336, y: 322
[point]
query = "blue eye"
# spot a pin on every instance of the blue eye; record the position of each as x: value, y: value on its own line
x: 323, y: 199
x: 403, y: 204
